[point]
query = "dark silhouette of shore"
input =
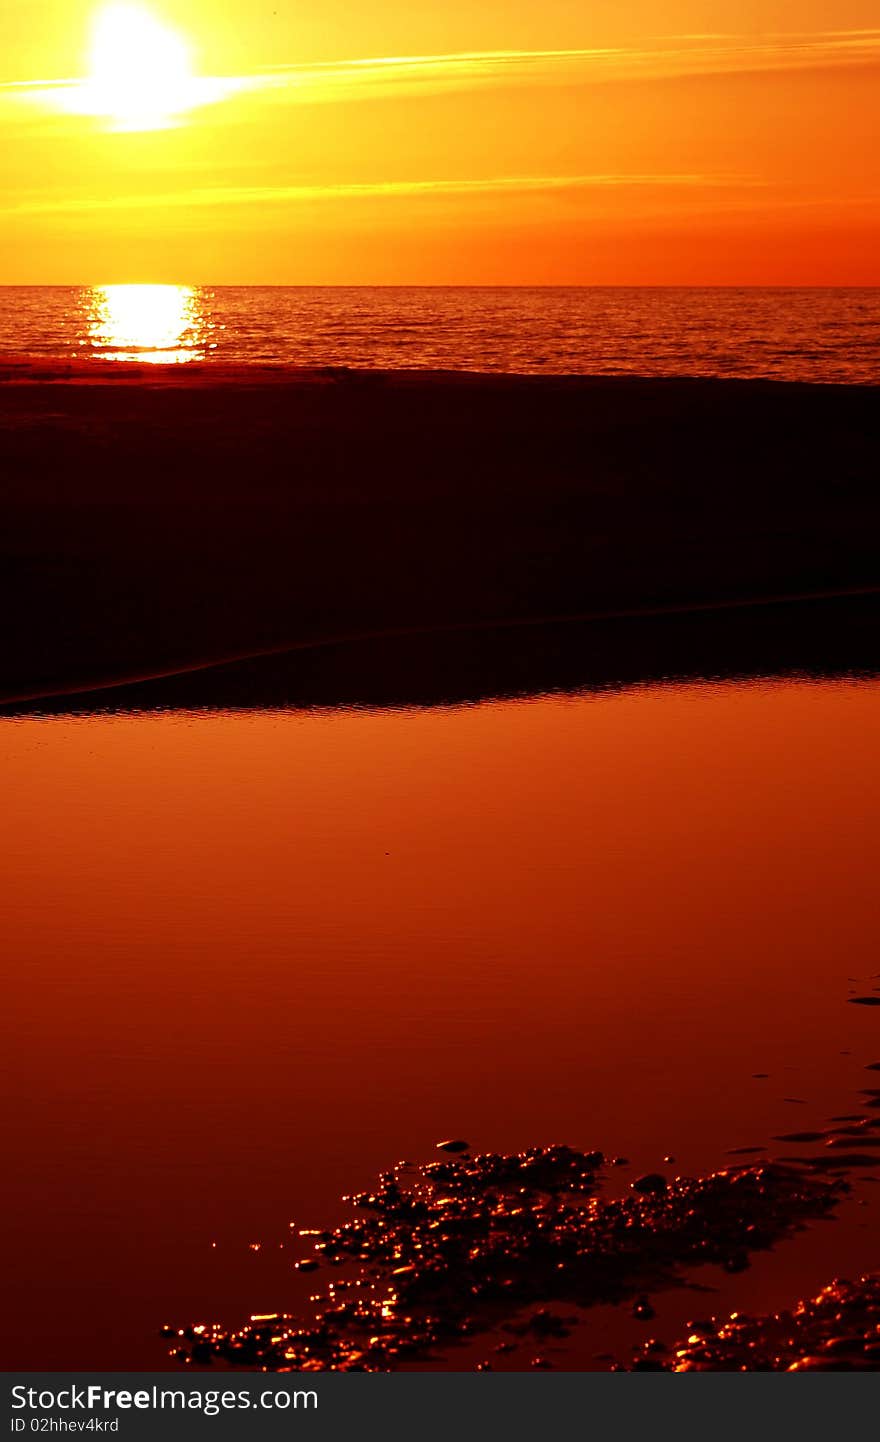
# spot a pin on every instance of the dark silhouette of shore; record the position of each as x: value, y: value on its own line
x: 813, y: 639
x: 426, y: 525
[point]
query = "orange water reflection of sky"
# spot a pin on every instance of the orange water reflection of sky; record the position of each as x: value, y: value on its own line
x: 260, y: 957
x: 666, y: 141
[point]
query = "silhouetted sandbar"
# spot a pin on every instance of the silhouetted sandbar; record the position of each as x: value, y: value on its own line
x: 160, y: 519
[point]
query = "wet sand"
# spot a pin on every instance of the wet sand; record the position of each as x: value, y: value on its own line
x: 156, y: 521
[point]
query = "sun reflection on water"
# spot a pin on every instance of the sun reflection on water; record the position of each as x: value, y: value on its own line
x: 157, y: 324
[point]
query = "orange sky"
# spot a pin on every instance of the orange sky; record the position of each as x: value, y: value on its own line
x: 574, y: 141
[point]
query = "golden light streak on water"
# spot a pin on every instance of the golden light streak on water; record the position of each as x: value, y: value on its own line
x: 157, y: 324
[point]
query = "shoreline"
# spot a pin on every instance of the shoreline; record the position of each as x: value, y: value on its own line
x: 159, y: 520
x: 52, y: 369
x: 799, y: 637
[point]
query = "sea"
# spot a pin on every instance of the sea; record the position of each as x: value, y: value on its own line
x: 825, y: 335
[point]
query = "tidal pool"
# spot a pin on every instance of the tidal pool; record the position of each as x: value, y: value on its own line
x: 253, y: 959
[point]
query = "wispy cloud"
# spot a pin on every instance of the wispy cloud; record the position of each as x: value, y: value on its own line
x: 261, y: 195
x: 406, y: 75
x: 670, y: 57
x: 86, y: 98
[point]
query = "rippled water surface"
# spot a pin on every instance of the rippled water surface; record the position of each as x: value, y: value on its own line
x: 831, y: 335
x: 257, y: 958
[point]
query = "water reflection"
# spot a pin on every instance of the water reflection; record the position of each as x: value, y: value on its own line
x: 159, y: 324
x: 625, y: 923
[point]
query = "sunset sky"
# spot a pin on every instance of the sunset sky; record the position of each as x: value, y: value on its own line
x: 450, y: 141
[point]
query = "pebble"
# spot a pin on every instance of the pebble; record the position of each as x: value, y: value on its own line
x: 651, y: 1185
x: 547, y: 1324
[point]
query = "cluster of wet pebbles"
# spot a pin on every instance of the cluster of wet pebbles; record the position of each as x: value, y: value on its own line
x: 838, y: 1331
x: 492, y: 1245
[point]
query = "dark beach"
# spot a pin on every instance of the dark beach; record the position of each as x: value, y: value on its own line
x: 160, y: 520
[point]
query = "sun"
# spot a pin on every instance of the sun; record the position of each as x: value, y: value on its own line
x: 140, y: 75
